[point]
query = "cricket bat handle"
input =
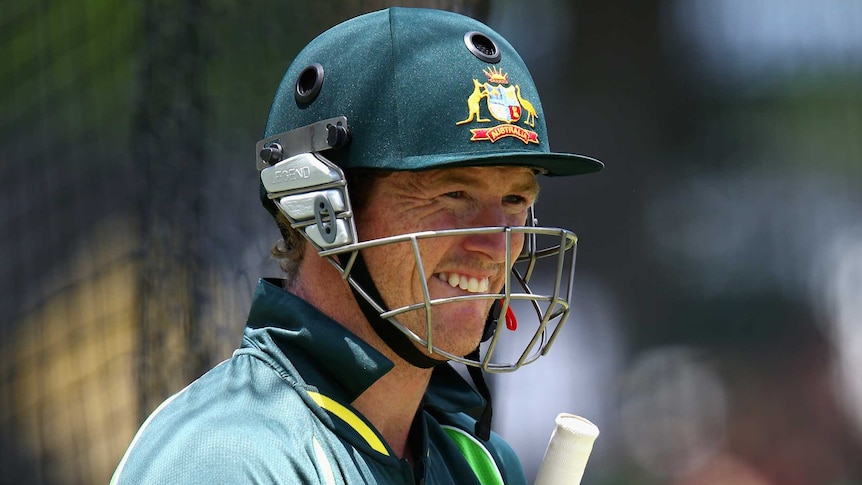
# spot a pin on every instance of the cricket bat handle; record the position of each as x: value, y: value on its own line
x: 568, y: 451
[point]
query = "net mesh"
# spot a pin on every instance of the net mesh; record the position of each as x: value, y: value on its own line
x: 129, y: 255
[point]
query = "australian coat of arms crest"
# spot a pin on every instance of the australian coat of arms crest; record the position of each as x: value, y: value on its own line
x: 505, y: 104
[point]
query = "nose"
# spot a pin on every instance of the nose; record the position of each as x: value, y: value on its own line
x: 493, y: 246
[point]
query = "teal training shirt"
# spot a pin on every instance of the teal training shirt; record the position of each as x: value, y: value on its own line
x: 278, y: 411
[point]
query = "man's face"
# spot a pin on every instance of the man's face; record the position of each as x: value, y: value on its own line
x: 454, y: 198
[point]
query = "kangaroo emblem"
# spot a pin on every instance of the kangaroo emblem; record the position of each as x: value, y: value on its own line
x: 479, y: 92
x: 505, y: 105
x: 528, y: 107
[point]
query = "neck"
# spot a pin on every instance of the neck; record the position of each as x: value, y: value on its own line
x: 390, y: 404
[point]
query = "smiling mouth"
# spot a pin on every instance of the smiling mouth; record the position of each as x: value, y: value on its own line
x: 470, y: 284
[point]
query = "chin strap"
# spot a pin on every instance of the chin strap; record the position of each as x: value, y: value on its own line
x: 483, y: 424
x: 389, y: 333
x: 407, y: 350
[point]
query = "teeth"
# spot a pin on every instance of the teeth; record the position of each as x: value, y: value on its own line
x: 467, y: 283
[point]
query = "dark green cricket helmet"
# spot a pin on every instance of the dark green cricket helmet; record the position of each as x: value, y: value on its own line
x: 412, y: 89
x: 420, y: 89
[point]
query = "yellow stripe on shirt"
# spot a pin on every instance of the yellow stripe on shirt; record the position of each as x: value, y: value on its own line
x: 351, y: 419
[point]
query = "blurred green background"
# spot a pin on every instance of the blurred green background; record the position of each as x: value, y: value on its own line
x: 717, y: 330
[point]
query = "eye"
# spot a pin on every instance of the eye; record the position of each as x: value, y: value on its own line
x: 514, y: 200
x: 458, y: 194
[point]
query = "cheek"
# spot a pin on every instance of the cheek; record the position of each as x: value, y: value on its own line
x: 401, y: 217
x: 371, y: 225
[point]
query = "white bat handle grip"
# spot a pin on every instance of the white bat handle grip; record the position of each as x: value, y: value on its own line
x: 568, y: 451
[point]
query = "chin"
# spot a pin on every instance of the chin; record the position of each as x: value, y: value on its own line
x: 456, y: 330
x: 461, y: 329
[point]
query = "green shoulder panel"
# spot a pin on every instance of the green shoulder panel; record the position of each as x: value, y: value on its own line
x: 477, y: 456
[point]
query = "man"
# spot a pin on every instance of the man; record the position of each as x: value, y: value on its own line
x: 342, y: 376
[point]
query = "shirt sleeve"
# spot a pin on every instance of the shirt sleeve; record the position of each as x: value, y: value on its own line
x: 212, y: 456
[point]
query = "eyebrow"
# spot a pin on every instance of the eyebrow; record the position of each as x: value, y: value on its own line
x: 530, y: 185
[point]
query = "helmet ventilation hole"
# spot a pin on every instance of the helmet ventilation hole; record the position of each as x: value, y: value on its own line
x: 308, y: 83
x: 481, y: 46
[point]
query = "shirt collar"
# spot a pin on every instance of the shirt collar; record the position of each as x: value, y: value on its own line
x: 325, y: 354
x: 330, y: 357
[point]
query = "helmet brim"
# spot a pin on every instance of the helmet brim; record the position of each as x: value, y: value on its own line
x: 552, y: 164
